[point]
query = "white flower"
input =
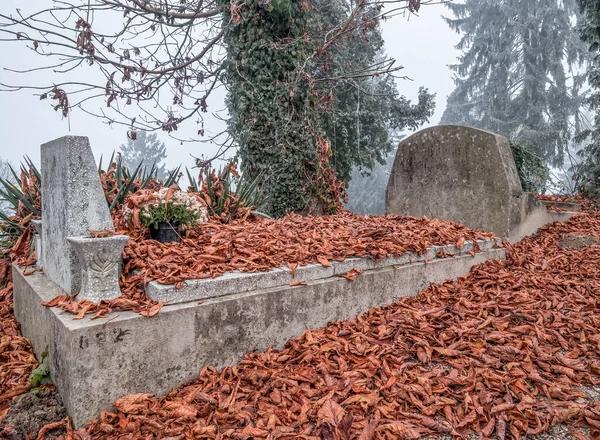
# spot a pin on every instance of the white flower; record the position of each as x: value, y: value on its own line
x: 189, y: 201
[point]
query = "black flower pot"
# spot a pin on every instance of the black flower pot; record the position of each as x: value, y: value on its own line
x: 166, y: 233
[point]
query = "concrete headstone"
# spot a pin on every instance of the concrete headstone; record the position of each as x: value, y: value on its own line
x: 464, y: 175
x: 73, y: 203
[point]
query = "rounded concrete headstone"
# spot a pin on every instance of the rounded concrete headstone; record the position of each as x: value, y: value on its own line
x: 464, y: 175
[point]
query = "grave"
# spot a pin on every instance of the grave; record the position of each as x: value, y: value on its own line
x: 468, y: 176
x: 208, y: 322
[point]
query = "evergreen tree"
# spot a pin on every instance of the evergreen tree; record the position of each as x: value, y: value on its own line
x: 147, y: 149
x: 589, y: 170
x: 517, y: 75
x: 366, y: 192
x: 362, y: 111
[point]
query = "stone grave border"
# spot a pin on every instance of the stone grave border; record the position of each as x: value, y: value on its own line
x: 240, y: 282
x: 208, y: 322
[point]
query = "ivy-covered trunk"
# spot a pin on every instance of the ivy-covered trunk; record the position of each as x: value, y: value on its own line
x: 272, y: 106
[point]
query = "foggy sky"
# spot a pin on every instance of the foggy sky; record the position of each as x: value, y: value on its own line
x: 424, y: 45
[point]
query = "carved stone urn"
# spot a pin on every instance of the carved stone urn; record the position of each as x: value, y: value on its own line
x: 100, y: 260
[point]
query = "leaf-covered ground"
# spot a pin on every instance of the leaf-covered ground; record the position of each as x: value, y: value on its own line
x: 502, y: 353
x: 506, y: 352
x: 16, y: 354
x: 253, y: 246
x: 212, y: 249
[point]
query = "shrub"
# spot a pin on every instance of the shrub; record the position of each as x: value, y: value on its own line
x: 171, y: 205
x: 531, y: 168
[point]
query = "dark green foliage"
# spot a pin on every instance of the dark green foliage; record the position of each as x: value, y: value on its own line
x: 531, y: 169
x: 364, y: 110
x: 589, y: 170
x: 361, y: 119
x: 283, y: 98
x: 41, y: 375
x: 515, y: 75
x: 146, y: 149
x: 271, y: 101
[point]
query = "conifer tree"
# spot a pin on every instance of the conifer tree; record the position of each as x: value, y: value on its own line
x: 146, y: 149
x: 517, y: 74
x: 589, y: 170
x: 366, y: 192
x: 362, y: 111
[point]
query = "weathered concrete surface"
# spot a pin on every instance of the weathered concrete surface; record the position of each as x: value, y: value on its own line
x: 95, y: 362
x: 573, y: 207
x: 239, y: 282
x: 571, y: 242
x: 100, y: 260
x: 537, y: 217
x: 37, y: 225
x: 464, y: 175
x: 73, y: 203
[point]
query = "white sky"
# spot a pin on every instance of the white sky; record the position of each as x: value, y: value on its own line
x: 424, y: 45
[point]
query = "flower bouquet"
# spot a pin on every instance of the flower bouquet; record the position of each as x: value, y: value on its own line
x: 165, y: 211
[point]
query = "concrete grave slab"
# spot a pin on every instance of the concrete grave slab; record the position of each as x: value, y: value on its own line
x: 238, y: 282
x: 464, y: 175
x: 572, y: 207
x: 94, y: 362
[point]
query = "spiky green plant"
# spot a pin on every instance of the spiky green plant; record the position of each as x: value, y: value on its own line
x: 126, y: 181
x: 225, y: 185
x: 11, y: 190
x: 22, y: 195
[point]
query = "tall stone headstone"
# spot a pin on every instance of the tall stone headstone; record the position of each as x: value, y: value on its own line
x: 465, y: 175
x: 73, y: 203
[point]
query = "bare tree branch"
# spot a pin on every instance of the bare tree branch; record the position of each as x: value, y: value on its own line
x: 156, y: 62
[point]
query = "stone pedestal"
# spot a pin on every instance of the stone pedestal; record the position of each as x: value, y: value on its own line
x: 100, y: 261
